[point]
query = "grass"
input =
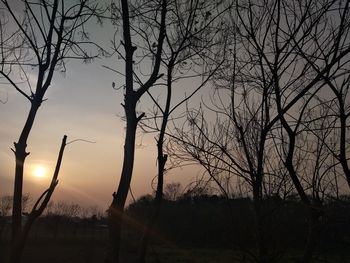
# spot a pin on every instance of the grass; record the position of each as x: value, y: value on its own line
x: 93, y: 251
x: 178, y: 255
x: 58, y: 252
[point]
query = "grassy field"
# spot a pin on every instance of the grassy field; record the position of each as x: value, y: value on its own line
x: 74, y: 251
x: 87, y: 252
x: 58, y: 252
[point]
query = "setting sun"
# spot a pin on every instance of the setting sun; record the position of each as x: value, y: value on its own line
x: 40, y: 171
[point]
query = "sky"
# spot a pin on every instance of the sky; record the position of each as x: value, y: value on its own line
x: 83, y: 105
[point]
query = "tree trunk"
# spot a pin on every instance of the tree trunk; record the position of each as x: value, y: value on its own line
x: 259, y: 222
x: 19, y: 242
x: 17, y: 248
x: 314, y: 215
x: 21, y: 154
x: 157, y: 206
x: 148, y: 231
x: 116, y: 210
x: 131, y: 97
x: 162, y: 159
x: 342, y: 154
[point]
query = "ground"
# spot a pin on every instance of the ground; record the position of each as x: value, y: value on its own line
x: 90, y: 251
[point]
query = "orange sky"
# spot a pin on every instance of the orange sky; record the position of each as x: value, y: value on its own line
x: 82, y: 105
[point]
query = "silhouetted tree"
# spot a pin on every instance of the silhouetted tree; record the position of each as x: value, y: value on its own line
x: 332, y: 49
x: 326, y: 51
x: 20, y: 238
x: 155, y: 13
x: 192, y: 37
x: 38, y: 40
x: 5, y: 205
x: 172, y: 191
x: 281, y: 53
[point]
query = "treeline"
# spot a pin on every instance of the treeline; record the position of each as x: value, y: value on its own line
x: 61, y: 220
x: 212, y: 221
x: 200, y: 219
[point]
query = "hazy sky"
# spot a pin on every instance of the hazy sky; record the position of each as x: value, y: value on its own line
x: 82, y: 104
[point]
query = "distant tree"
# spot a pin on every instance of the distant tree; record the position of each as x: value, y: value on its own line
x: 5, y: 205
x: 92, y: 211
x: 68, y: 210
x: 172, y: 191
x: 49, y: 208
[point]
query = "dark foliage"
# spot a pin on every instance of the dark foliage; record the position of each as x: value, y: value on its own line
x: 213, y: 221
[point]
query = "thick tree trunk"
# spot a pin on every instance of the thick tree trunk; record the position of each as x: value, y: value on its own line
x: 116, y: 209
x: 342, y: 155
x: 17, y: 192
x: 115, y: 222
x: 21, y: 154
x: 314, y: 215
x: 259, y: 222
x: 19, y: 243
x: 19, y: 240
x: 157, y: 207
x: 131, y: 97
x: 17, y: 248
x: 148, y: 231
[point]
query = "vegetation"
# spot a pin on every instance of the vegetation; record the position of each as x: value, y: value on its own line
x: 197, y: 228
x: 205, y: 222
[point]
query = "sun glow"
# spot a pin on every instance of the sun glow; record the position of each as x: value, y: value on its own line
x: 39, y: 171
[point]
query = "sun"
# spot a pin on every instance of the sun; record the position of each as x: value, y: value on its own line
x: 39, y: 171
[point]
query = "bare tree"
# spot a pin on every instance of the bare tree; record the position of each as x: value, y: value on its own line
x: 173, y: 40
x: 38, y: 43
x: 297, y: 46
x: 192, y: 37
x: 20, y: 238
x: 281, y: 54
x: 333, y: 52
x: 327, y: 51
x: 172, y: 191
x: 67, y: 209
x: 309, y: 161
x: 5, y: 205
x: 155, y: 12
